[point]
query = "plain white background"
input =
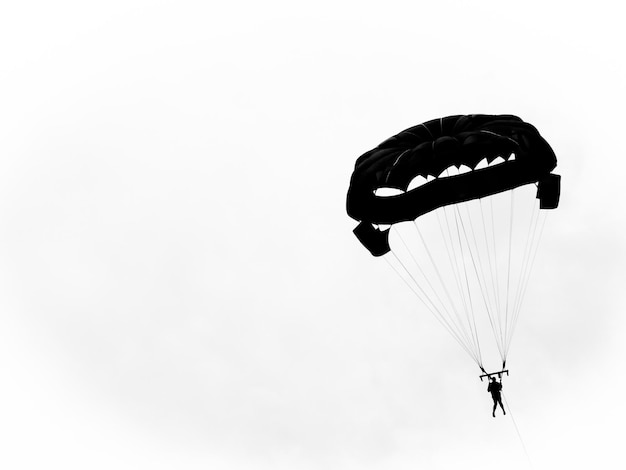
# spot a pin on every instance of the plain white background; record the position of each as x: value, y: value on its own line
x: 179, y: 284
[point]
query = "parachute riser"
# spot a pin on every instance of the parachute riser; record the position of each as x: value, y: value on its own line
x: 499, y: 374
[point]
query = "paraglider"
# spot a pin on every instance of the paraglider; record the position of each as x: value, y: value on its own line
x: 495, y: 388
x: 466, y: 197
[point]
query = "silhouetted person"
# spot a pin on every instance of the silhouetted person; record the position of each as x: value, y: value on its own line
x: 495, y: 387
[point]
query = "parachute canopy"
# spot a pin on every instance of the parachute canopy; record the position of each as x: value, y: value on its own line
x: 427, y: 150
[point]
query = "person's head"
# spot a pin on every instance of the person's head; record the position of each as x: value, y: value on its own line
x: 493, y: 379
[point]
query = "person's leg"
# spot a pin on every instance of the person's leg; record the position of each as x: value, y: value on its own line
x: 495, y: 404
x: 501, y: 406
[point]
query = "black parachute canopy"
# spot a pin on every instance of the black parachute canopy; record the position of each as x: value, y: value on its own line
x: 427, y: 150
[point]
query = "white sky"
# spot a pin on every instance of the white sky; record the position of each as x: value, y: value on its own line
x: 179, y: 284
